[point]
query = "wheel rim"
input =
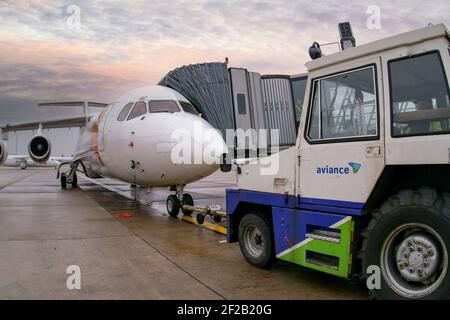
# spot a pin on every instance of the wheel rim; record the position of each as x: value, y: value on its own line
x: 414, y: 260
x: 253, y: 241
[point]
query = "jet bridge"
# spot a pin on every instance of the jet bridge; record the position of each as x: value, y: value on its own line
x: 235, y: 98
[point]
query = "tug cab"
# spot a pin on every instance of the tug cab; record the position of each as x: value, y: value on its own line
x: 367, y: 183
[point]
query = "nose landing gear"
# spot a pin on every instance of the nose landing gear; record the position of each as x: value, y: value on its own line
x: 176, y: 201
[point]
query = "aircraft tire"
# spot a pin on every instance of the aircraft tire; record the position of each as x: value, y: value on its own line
x: 75, y: 181
x: 173, y: 205
x: 187, y: 200
x: 63, y: 182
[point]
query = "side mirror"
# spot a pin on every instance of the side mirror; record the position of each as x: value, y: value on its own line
x: 224, y: 166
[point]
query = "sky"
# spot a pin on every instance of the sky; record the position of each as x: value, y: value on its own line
x: 98, y: 50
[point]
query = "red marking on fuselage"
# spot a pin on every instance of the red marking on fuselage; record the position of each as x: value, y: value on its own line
x: 95, y: 132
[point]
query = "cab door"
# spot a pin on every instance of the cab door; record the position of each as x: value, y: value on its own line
x: 342, y: 151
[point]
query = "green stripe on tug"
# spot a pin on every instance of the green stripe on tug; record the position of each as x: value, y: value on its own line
x: 335, y: 257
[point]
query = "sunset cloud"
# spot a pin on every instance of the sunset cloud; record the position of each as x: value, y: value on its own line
x: 121, y: 45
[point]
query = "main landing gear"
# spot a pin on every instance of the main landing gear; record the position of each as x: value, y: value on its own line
x: 69, y: 177
x: 175, y: 202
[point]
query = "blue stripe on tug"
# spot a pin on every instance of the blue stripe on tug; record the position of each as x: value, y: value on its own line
x: 291, y: 226
x: 235, y: 196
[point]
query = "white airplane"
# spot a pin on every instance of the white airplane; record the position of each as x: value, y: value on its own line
x: 25, y: 161
x: 134, y: 141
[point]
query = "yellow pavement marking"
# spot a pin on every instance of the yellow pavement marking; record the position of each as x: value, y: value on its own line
x: 207, y: 225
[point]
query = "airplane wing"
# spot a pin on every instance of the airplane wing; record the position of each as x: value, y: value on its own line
x: 74, y: 104
x: 55, y: 124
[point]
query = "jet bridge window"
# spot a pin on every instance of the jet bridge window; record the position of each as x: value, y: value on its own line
x: 344, y: 107
x: 242, y: 104
x: 189, y: 108
x: 419, y: 96
x: 139, y: 109
x: 124, y: 113
x: 157, y: 106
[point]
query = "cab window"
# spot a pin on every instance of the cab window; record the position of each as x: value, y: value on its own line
x: 139, y: 109
x: 419, y: 96
x: 344, y: 107
x: 124, y: 113
x: 189, y: 108
x: 157, y: 106
x: 298, y: 91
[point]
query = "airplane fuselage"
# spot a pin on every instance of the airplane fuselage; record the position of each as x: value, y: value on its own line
x: 140, y: 150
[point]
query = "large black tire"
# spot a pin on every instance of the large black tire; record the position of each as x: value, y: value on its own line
x: 173, y: 205
x: 63, y: 182
x: 418, y: 215
x: 256, y: 240
x: 75, y: 181
x: 188, y: 200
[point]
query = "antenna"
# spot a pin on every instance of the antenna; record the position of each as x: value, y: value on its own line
x: 346, y: 33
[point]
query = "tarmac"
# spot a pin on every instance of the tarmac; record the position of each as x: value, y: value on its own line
x: 131, y: 249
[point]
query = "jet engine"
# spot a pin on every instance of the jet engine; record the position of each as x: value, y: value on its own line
x: 39, y: 148
x: 3, y: 152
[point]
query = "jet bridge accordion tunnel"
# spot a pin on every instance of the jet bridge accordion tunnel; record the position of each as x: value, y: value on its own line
x: 234, y: 98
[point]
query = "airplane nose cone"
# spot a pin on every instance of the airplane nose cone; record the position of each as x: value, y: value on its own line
x: 214, y: 146
x: 198, y: 143
x: 208, y: 144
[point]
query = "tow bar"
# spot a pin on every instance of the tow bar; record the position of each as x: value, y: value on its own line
x: 214, y: 211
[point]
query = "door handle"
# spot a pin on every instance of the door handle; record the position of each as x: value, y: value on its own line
x: 373, y: 151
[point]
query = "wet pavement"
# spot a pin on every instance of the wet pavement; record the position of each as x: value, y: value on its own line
x: 129, y: 249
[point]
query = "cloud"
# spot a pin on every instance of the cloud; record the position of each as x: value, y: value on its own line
x: 121, y: 45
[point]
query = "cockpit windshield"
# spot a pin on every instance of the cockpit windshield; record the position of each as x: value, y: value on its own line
x: 157, y: 106
x: 189, y: 108
x: 139, y: 109
x: 124, y: 113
